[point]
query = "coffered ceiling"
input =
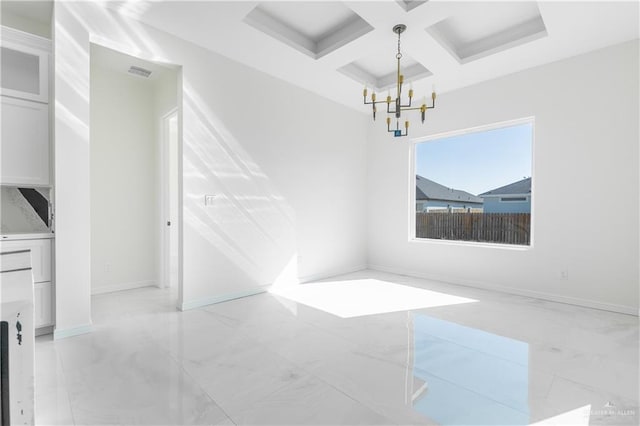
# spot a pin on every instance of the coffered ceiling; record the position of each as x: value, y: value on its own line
x: 334, y: 48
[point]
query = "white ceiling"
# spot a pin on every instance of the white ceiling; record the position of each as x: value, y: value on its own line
x: 459, y: 43
x: 112, y: 60
x: 35, y: 10
x: 303, y: 16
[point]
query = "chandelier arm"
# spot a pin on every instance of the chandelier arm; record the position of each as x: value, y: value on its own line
x: 374, y: 102
x: 392, y: 130
x: 389, y: 109
x: 407, y: 107
x: 433, y: 106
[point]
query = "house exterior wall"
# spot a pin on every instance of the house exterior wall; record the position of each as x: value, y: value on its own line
x: 496, y: 205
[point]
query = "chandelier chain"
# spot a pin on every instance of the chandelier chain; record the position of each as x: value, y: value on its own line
x: 399, y: 55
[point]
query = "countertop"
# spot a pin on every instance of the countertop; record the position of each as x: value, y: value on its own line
x: 9, y: 237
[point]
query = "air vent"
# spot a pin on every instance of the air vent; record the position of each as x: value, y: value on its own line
x: 139, y: 71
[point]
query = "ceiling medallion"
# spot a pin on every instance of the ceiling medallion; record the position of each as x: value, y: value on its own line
x: 398, y: 106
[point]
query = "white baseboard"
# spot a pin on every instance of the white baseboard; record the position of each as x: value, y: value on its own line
x: 41, y: 331
x: 587, y: 303
x: 198, y: 303
x: 330, y: 274
x: 194, y: 304
x: 70, y: 332
x: 122, y: 286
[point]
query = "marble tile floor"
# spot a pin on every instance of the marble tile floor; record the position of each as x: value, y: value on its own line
x: 455, y: 355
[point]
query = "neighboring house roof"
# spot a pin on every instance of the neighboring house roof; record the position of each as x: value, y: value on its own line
x: 429, y: 190
x: 516, y: 188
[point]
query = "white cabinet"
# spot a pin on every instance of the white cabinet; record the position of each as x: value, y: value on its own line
x: 24, y: 71
x: 42, y: 304
x: 41, y: 255
x: 24, y: 86
x: 18, y: 345
x: 25, y: 143
x: 25, y: 149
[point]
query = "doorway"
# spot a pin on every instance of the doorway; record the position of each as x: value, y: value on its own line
x: 135, y: 148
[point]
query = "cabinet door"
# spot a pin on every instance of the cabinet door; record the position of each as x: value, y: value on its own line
x: 40, y: 256
x: 42, y: 304
x: 24, y: 72
x: 24, y: 153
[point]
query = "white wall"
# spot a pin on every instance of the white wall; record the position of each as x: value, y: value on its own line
x: 585, y: 177
x: 71, y: 164
x: 287, y: 167
x: 124, y: 175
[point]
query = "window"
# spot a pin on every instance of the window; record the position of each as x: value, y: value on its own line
x: 475, y: 185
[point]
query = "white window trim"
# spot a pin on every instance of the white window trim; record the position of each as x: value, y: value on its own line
x: 411, y: 231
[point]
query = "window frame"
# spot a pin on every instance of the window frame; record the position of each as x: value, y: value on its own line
x: 411, y: 231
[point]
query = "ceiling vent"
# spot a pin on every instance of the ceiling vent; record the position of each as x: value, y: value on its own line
x: 139, y: 71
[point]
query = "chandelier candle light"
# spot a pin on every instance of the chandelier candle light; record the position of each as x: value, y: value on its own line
x: 398, y: 107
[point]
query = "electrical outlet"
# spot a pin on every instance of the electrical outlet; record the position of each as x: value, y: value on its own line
x: 107, y: 267
x: 209, y: 199
x: 564, y: 274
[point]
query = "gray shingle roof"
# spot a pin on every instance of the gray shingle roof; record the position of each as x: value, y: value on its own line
x: 520, y: 187
x: 429, y: 190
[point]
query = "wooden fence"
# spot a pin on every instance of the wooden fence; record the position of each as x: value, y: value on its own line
x: 505, y: 228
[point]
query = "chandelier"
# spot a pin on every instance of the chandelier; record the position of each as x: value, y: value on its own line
x: 398, y: 107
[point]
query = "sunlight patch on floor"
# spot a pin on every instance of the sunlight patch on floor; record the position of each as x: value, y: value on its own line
x: 354, y: 298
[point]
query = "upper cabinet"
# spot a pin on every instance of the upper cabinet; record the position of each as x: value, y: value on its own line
x: 25, y: 150
x: 25, y: 153
x: 24, y: 70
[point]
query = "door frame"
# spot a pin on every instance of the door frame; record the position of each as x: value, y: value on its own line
x: 165, y: 202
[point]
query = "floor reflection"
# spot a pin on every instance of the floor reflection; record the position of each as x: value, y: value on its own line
x: 462, y: 375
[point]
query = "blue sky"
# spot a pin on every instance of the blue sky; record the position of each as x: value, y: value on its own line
x: 477, y: 162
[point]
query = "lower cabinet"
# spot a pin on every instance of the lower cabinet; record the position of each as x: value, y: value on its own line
x: 43, y: 288
x: 42, y: 304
